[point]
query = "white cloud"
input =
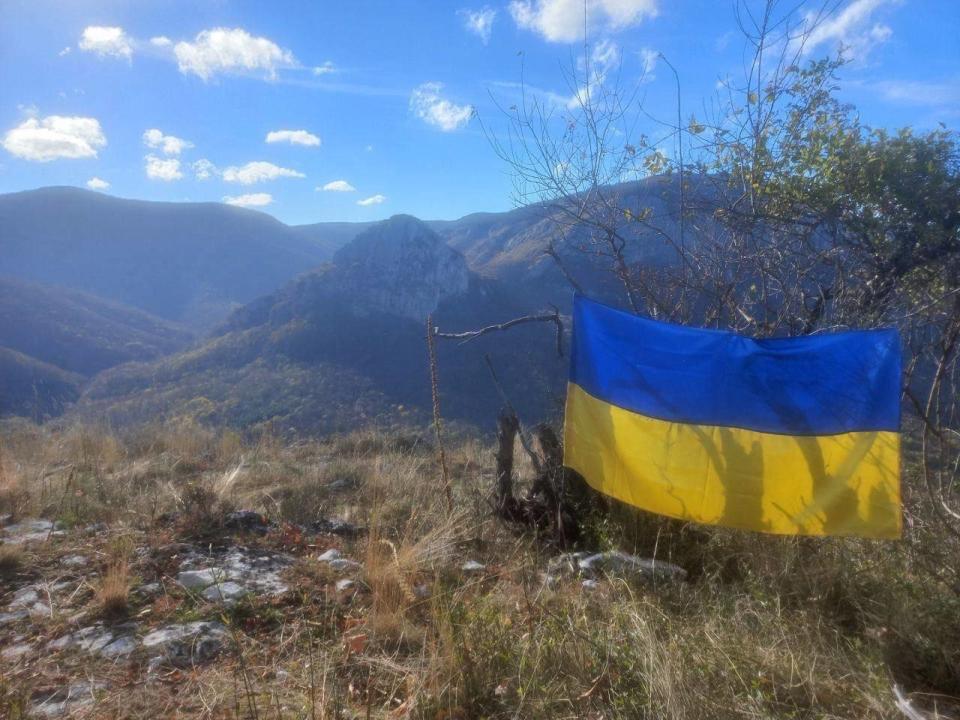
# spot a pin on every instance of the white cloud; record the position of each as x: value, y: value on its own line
x: 66, y: 51
x: 649, y: 59
x: 294, y: 137
x: 604, y: 58
x: 918, y: 92
x: 161, y: 41
x: 257, y: 171
x: 169, y: 144
x: 106, y: 42
x: 427, y: 104
x: 338, y: 186
x: 55, y: 137
x: 372, y: 200
x: 850, y: 29
x: 162, y: 169
x: 325, y: 69
x: 96, y: 183
x: 563, y: 20
x: 480, y: 22
x: 231, y: 50
x: 203, y: 169
x: 249, y: 200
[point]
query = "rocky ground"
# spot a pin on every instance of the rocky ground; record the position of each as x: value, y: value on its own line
x: 187, y: 573
x: 187, y: 603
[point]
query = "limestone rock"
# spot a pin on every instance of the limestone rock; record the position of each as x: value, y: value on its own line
x: 226, y: 592
x: 186, y: 644
x: 472, y: 566
x: 401, y: 267
x: 69, y: 698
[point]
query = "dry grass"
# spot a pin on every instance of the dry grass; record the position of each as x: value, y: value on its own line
x: 113, y: 595
x: 766, y: 627
x: 11, y: 559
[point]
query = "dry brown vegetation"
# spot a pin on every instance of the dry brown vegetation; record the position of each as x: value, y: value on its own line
x: 764, y: 627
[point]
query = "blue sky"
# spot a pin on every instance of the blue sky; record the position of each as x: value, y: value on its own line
x: 175, y: 100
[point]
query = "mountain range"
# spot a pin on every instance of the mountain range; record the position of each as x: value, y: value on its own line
x: 133, y: 311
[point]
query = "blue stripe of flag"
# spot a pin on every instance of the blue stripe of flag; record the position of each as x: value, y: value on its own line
x: 813, y: 385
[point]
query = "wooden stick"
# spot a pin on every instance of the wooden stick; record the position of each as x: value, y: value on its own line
x: 435, y: 391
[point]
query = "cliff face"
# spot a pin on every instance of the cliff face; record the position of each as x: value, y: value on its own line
x: 400, y: 267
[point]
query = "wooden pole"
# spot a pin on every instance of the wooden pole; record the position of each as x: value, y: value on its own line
x: 435, y: 392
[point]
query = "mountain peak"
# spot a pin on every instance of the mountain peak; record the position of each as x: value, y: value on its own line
x: 401, y: 266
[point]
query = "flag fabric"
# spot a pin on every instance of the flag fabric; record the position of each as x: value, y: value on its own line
x: 796, y: 436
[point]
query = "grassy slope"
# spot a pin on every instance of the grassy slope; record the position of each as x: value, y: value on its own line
x: 765, y: 627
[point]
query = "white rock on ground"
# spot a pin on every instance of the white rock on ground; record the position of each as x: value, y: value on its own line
x: 30, y: 531
x: 187, y: 644
x: 472, y: 566
x: 69, y: 698
x: 8, y: 618
x: 199, y: 579
x: 15, y: 652
x: 614, y: 563
x: 620, y: 564
x: 28, y: 599
x: 99, y: 640
x: 256, y: 573
x: 227, y: 592
x: 343, y: 565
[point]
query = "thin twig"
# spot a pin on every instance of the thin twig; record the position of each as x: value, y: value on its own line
x: 469, y: 335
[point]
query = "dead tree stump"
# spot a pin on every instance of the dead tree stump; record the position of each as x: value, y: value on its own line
x: 546, y: 508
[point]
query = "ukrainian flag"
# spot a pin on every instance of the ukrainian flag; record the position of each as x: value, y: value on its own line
x: 796, y: 436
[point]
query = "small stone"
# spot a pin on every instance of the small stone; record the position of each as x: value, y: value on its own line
x: 120, y: 647
x: 8, y: 618
x: 148, y: 589
x: 331, y: 554
x: 472, y: 566
x: 15, y: 652
x: 93, y: 639
x: 99, y: 640
x: 197, y: 579
x: 589, y: 584
x: 29, y: 531
x: 619, y: 564
x: 187, y: 644
x: 566, y: 563
x: 343, y: 565
x: 68, y: 698
x: 24, y: 597
x: 227, y: 592
x: 73, y: 561
x: 345, y: 584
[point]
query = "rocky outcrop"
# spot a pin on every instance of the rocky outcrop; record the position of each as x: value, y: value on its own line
x: 400, y: 267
